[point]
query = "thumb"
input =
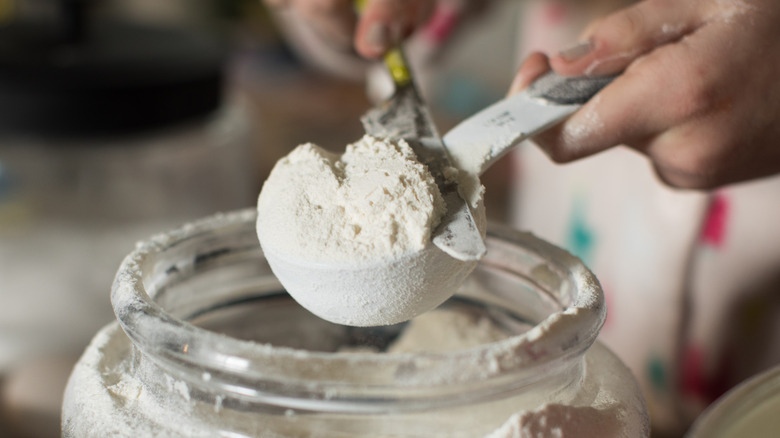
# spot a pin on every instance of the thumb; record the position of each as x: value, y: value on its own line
x: 609, y: 45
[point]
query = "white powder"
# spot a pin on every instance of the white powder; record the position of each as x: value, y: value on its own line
x: 99, y: 389
x: 107, y: 397
x: 349, y: 236
x: 561, y: 421
x: 446, y: 330
x: 115, y: 391
x: 374, y: 201
x: 441, y: 330
x: 673, y: 30
x: 575, y: 131
x: 727, y: 10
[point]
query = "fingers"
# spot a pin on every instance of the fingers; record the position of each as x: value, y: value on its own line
x: 612, y: 43
x: 666, y: 88
x: 679, y: 105
x: 385, y: 23
x: 682, y: 157
x: 713, y: 130
x: 622, y: 113
x: 698, y: 96
x: 534, y: 66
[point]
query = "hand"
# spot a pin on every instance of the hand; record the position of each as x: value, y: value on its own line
x: 382, y: 25
x: 699, y: 92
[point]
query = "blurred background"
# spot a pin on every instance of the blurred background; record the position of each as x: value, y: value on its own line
x: 123, y: 118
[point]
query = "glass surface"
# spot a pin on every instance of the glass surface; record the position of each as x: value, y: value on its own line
x: 218, y: 349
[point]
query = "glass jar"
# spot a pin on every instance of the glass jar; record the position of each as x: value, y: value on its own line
x: 748, y: 410
x: 208, y: 344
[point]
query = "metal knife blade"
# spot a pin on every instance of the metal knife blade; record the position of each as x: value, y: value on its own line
x: 406, y: 116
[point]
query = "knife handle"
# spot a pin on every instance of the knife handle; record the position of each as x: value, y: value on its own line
x: 396, y: 64
x: 565, y: 90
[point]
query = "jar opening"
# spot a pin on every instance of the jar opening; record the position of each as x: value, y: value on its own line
x: 201, y: 301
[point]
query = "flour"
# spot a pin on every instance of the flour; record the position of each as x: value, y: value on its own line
x: 95, y: 392
x: 177, y: 380
x: 374, y: 201
x: 446, y: 330
x: 589, y: 123
x: 727, y: 10
x: 107, y: 395
x: 441, y: 330
x: 349, y: 236
x: 561, y: 421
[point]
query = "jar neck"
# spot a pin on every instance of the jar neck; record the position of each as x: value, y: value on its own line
x: 561, y: 377
x: 186, y: 273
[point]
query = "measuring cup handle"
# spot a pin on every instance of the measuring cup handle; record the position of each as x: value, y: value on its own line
x: 477, y: 142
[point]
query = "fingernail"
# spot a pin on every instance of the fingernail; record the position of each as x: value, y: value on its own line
x: 379, y: 37
x: 576, y: 51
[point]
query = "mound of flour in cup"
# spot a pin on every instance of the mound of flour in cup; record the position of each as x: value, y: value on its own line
x: 375, y: 200
x: 349, y: 236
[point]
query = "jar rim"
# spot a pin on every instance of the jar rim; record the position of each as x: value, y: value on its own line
x: 252, y: 368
